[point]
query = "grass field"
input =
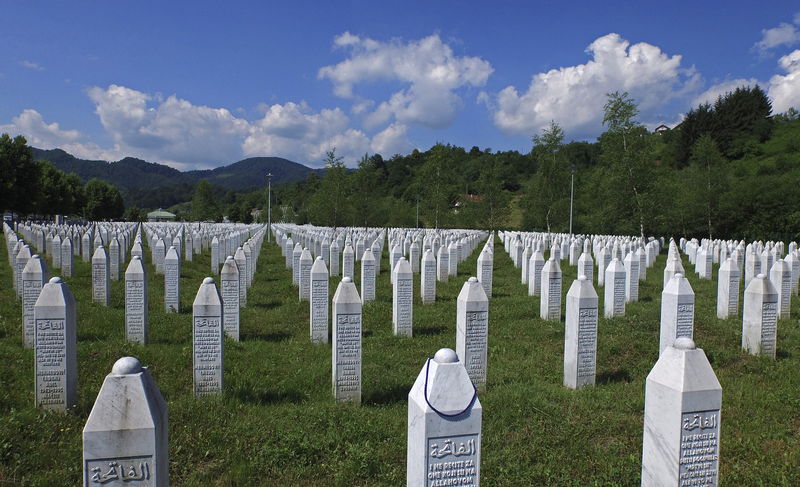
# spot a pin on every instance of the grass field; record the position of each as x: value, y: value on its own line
x: 277, y: 424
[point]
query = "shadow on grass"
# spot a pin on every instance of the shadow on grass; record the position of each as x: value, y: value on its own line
x: 268, y: 305
x: 276, y: 336
x: 782, y: 354
x: 646, y: 299
x: 613, y: 376
x: 268, y: 397
x: 430, y: 331
x: 388, y: 396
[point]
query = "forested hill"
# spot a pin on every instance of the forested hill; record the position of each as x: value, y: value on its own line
x: 135, y: 174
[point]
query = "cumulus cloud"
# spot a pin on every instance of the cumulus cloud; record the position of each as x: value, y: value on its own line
x: 784, y: 90
x: 430, y: 71
x: 784, y: 34
x: 392, y: 140
x: 295, y: 131
x: 574, y: 96
x: 711, y: 94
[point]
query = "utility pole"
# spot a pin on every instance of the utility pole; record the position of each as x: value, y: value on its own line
x: 571, y: 196
x: 269, y: 207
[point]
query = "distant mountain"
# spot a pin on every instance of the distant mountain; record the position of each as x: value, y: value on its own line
x: 135, y: 174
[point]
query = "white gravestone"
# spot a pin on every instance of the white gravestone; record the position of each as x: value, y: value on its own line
x: 631, y: 278
x: 297, y: 253
x: 56, y: 251
x: 586, y: 265
x: 56, y: 358
x: 304, y: 275
x: 760, y: 323
x: 346, y: 349
x: 472, y: 331
x: 318, y: 312
x: 728, y: 289
x: 215, y: 255
x: 485, y: 269
x: 580, y: 334
x: 535, y: 267
x: 21, y: 260
x: 288, y: 252
x: 348, y: 262
x: 229, y: 284
x: 114, y: 259
x: 677, y: 311
x: 452, y: 250
x: 159, y: 251
x: 172, y: 281
x: 427, y: 287
x: 402, y: 298
x: 67, y: 258
x: 241, y: 264
x: 442, y: 264
x: 526, y: 257
x: 444, y: 425
x: 550, y: 301
x: 136, y: 311
x: 207, y: 340
x: 780, y: 275
x: 125, y: 437
x: 34, y: 277
x: 682, y: 406
x: 673, y: 266
x: 334, y: 258
x: 368, y: 276
x: 101, y: 285
x: 614, y: 292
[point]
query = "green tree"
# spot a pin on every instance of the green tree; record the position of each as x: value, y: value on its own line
x: 434, y: 186
x: 103, y: 201
x: 19, y: 175
x: 204, y: 205
x: 627, y: 152
x: 707, y: 164
x: 330, y: 204
x: 545, y: 203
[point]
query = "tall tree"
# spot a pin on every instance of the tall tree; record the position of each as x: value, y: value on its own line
x: 204, y: 205
x: 19, y: 175
x: 549, y: 188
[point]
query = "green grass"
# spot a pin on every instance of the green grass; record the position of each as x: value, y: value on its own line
x: 277, y: 424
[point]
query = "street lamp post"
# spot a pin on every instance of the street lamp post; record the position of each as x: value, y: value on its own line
x: 269, y: 207
x: 571, y: 196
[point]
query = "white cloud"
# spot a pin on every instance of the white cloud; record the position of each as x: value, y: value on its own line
x: 428, y: 67
x: 710, y: 95
x: 784, y: 90
x: 392, y: 140
x: 31, y: 65
x: 37, y: 132
x: 574, y: 96
x: 784, y: 34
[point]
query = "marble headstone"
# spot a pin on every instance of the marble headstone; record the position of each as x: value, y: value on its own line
x: 56, y: 358
x: 207, y: 340
x: 136, y: 309
x: 472, y: 331
x: 346, y: 349
x: 580, y: 334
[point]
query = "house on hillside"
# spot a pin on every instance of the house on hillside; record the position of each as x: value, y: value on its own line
x: 661, y: 129
x: 160, y: 215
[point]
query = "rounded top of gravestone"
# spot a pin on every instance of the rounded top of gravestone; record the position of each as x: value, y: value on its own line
x: 582, y: 277
x: 678, y: 275
x: 35, y: 256
x: 319, y: 257
x: 208, y: 280
x: 445, y: 356
x: 760, y: 276
x: 347, y: 279
x: 126, y: 366
x: 685, y: 343
x: 136, y: 257
x: 471, y: 279
x: 55, y: 280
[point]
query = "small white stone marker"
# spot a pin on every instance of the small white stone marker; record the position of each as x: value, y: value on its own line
x: 346, y: 349
x: 550, y: 301
x: 427, y: 286
x: 444, y: 425
x: 760, y: 323
x: 348, y: 262
x: 631, y: 278
x: 535, y: 267
x: 334, y: 258
x: 125, y: 437
x: 586, y: 264
x: 56, y: 251
x: 114, y: 259
x: 229, y: 282
x: 172, y: 281
x: 318, y: 312
x: 728, y: 289
x: 472, y: 331
x: 215, y: 255
x: 402, y: 298
x: 34, y: 277
x: 241, y: 264
x: 136, y: 310
x: 683, y: 399
x: 672, y: 267
x: 207, y: 340
x: 452, y: 267
x: 443, y: 264
x: 780, y: 275
x: 56, y: 358
x: 159, y: 251
x: 101, y: 285
x: 485, y: 270
x: 580, y: 334
x: 677, y: 311
x: 304, y: 275
x: 67, y: 257
x: 614, y: 292
x: 368, y: 276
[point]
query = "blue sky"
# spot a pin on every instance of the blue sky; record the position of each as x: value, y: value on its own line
x: 203, y: 84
